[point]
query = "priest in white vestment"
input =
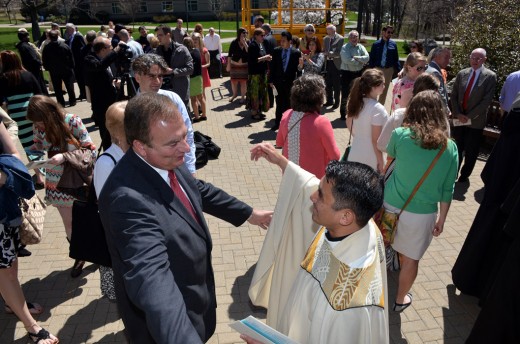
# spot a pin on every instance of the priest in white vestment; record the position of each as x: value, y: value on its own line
x: 321, y: 272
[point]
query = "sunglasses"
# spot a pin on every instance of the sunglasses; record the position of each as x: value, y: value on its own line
x: 390, y: 32
x: 309, y: 30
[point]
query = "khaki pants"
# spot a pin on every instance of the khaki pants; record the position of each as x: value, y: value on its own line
x: 388, y: 72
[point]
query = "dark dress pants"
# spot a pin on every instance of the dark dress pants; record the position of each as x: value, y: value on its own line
x: 346, y: 83
x: 216, y: 72
x: 65, y: 75
x: 468, y: 144
x: 333, y: 83
x: 283, y: 99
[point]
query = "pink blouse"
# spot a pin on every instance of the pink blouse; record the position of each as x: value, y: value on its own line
x: 317, y: 143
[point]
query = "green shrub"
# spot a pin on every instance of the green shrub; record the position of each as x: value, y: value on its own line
x: 492, y: 25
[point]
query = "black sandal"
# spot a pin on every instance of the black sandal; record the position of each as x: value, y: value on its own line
x: 399, y: 307
x: 43, y: 334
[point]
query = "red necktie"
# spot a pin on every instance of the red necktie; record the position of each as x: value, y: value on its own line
x: 468, y: 91
x: 179, y: 193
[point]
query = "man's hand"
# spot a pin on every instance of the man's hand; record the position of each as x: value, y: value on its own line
x: 267, y: 151
x: 462, y: 118
x: 168, y: 71
x: 261, y: 218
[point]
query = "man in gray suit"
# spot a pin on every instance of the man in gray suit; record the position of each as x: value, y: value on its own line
x: 440, y: 58
x: 332, y: 44
x: 471, y: 96
x: 152, y: 211
x: 178, y: 58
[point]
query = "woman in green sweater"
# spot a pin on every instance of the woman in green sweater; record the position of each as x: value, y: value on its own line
x: 414, y: 146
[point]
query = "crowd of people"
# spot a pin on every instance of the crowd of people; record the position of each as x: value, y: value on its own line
x: 151, y: 203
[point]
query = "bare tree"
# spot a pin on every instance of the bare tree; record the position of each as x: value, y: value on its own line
x: 217, y: 7
x: 7, y: 4
x: 131, y: 7
x: 33, y: 6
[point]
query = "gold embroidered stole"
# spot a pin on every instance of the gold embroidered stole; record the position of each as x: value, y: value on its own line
x: 343, y: 286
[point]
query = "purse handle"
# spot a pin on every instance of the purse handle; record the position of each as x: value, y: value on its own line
x: 425, y: 175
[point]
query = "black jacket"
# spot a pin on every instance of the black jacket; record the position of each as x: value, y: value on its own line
x: 57, y: 56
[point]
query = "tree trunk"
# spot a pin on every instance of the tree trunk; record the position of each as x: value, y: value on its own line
x: 360, y: 17
x: 36, y: 34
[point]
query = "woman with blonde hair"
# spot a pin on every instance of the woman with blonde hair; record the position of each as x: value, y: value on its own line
x: 205, y: 61
x: 196, y: 82
x: 57, y: 132
x: 105, y: 163
x: 414, y: 146
x: 414, y: 66
x: 366, y: 117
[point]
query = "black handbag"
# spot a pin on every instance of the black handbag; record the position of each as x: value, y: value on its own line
x: 205, y: 149
x: 349, y: 145
x: 88, y: 240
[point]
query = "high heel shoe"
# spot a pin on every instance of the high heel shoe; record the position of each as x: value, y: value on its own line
x: 77, y: 268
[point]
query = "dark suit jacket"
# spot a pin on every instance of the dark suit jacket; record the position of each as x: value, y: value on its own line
x: 435, y: 70
x: 182, y: 64
x: 56, y: 56
x: 99, y: 81
x: 334, y: 49
x: 160, y: 255
x: 78, y: 42
x: 479, y: 99
x: 392, y: 55
x: 30, y: 59
x: 276, y: 72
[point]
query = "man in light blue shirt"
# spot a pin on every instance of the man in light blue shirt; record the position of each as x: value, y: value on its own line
x: 510, y: 91
x: 354, y: 57
x: 149, y: 70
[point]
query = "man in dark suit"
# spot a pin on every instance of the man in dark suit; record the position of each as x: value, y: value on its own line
x: 58, y: 60
x: 100, y: 81
x: 152, y: 211
x: 76, y: 42
x: 440, y: 60
x: 332, y: 44
x: 385, y: 57
x: 283, y: 71
x: 31, y: 58
x: 179, y: 59
x: 471, y: 96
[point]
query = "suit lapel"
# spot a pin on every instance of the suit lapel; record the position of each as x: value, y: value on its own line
x: 191, y: 190
x: 166, y: 193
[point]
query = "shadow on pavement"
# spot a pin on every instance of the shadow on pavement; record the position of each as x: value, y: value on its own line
x: 460, y: 190
x: 242, y: 306
x: 462, y: 310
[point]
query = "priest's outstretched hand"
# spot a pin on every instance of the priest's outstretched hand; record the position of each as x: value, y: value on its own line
x: 267, y: 151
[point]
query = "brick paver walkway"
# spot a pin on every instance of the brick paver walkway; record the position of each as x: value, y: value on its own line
x: 76, y: 313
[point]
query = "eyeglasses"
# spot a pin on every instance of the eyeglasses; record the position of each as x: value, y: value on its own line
x: 154, y: 76
x: 473, y: 58
x: 421, y: 68
x: 390, y: 32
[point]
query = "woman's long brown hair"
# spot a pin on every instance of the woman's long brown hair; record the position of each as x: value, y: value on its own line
x: 11, y: 67
x: 427, y: 119
x: 44, y: 109
x: 361, y: 88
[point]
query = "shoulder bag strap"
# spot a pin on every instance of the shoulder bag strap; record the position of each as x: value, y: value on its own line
x: 298, y: 121
x: 425, y: 175
x: 92, y: 198
x: 350, y: 132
